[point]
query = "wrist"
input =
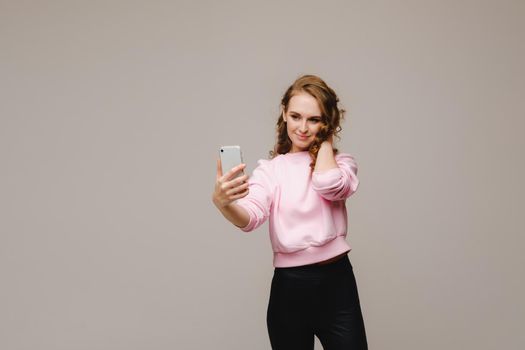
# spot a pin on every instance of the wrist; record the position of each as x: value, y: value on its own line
x: 326, y: 144
x: 217, y: 203
x: 222, y: 207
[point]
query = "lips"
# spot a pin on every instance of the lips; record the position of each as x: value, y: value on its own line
x: 302, y: 137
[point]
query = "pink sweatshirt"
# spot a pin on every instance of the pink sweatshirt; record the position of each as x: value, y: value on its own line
x: 308, y: 218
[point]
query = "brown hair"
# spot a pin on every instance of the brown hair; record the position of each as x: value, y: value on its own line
x: 331, y: 115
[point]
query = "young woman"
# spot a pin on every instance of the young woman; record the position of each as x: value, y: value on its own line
x: 302, y: 189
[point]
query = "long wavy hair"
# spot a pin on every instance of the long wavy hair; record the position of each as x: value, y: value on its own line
x: 331, y: 116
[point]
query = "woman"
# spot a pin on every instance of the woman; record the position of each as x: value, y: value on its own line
x: 302, y: 188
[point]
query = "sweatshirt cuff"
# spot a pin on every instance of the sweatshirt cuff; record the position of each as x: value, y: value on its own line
x: 251, y: 223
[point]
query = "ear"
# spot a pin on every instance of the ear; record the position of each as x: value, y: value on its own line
x: 282, y: 113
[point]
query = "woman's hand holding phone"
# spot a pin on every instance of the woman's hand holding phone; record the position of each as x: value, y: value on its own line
x: 228, y: 188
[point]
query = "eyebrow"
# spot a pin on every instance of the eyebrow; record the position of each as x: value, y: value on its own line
x: 314, y: 116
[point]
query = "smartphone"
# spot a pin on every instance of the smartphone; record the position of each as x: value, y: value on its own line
x: 231, y: 156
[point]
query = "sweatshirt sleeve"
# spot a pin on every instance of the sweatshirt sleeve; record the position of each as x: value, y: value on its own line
x: 258, y: 202
x: 337, y: 183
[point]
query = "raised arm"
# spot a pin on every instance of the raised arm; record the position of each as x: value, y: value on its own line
x: 337, y: 183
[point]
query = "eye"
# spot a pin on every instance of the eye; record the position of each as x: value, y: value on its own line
x: 315, y: 121
x: 294, y: 117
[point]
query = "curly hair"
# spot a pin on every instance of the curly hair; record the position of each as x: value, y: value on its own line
x: 330, y: 120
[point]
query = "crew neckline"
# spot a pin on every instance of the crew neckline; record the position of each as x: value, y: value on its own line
x: 292, y: 154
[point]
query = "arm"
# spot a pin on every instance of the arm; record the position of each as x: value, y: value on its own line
x: 259, y: 200
x: 236, y: 214
x: 335, y: 183
x: 325, y: 157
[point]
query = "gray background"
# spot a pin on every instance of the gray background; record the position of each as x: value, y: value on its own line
x: 112, y: 113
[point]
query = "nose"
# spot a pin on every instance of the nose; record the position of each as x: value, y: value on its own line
x: 303, y: 127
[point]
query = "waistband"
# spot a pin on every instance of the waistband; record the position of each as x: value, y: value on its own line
x: 312, y: 254
x: 340, y: 264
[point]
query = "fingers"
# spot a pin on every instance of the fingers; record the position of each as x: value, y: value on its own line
x: 233, y: 171
x: 233, y: 184
x: 236, y: 181
x: 241, y: 194
x: 240, y: 179
x: 229, y: 191
x: 237, y: 189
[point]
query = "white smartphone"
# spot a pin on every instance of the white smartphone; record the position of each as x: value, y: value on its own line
x: 231, y: 156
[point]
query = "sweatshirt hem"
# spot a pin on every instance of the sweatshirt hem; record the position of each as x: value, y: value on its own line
x: 312, y: 254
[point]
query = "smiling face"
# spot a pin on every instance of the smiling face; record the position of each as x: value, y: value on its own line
x: 303, y: 120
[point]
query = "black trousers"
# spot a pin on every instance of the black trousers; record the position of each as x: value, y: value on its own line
x: 320, y: 300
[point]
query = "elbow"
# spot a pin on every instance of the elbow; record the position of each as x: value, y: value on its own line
x: 340, y: 191
x: 337, y: 183
x: 250, y: 225
x: 255, y: 219
x: 246, y: 228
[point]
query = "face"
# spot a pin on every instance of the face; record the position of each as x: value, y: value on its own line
x: 303, y: 121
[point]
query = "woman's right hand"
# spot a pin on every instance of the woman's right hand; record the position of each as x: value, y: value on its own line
x: 228, y: 190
